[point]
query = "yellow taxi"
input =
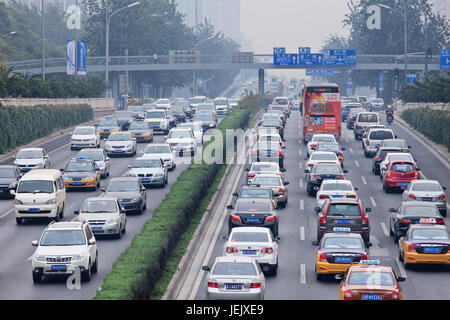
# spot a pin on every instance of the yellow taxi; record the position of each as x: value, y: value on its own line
x: 107, y: 126
x: 370, y: 281
x: 426, y: 242
x: 337, y: 251
x: 81, y: 174
x: 141, y: 130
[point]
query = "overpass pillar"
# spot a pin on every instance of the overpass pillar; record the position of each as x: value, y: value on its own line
x: 261, y: 82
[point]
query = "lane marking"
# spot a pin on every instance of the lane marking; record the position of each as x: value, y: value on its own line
x: 7, y: 213
x: 385, y: 229
x: 302, y: 274
x: 302, y: 233
x: 351, y: 150
x: 67, y: 144
x: 299, y: 152
x: 373, y: 201
x: 300, y: 183
x: 356, y: 163
x: 363, y: 179
x: 302, y: 204
x: 300, y: 165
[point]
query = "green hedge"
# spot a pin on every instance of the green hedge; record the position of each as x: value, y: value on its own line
x: 136, y: 271
x: 21, y: 125
x: 434, y: 124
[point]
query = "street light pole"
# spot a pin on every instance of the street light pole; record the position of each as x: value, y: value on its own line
x: 43, y: 40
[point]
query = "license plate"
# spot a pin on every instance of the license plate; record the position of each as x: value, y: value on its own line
x: 403, y: 184
x: 138, y: 137
x: 145, y: 179
x: 371, y: 297
x: 97, y: 228
x: 344, y: 221
x: 233, y: 286
x: 155, y: 127
x: 337, y: 196
x: 341, y: 229
x: 118, y: 150
x: 431, y: 250
x: 327, y: 178
x: 59, y: 267
x: 427, y: 199
x: 251, y: 220
x: 343, y: 259
x: 77, y: 183
x: 34, y: 210
x: 249, y: 252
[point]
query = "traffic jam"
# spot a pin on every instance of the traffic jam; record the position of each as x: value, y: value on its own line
x: 343, y: 236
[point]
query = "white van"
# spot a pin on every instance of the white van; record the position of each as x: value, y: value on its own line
x: 40, y: 193
x: 362, y: 121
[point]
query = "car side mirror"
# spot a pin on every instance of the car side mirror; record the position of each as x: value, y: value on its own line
x: 235, y: 194
x: 107, y: 159
x: 12, y: 192
x: 46, y: 157
x: 206, y: 268
x: 306, y: 171
x: 276, y: 194
x: 62, y: 170
x: 444, y: 188
x: 103, y: 189
x: 34, y: 243
x: 165, y: 137
x: 409, y: 147
x: 339, y: 277
x: 224, y: 238
x: 129, y: 166
x: 368, y: 209
x: 343, y: 149
x: 286, y: 183
x: 91, y: 242
x: 345, y: 171
x: 315, y: 243
x: 400, y: 278
x: 247, y: 169
x: 317, y: 209
x: 369, y: 244
x: 417, y: 169
x: 76, y: 212
x: 392, y: 210
x: 277, y: 238
x: 143, y: 189
x: 229, y: 207
x: 283, y: 170
x: 356, y: 188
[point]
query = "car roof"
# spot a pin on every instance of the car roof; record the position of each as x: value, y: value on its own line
x: 82, y: 160
x: 90, y: 127
x: 251, y: 229
x: 342, y: 201
x: 268, y: 175
x: 234, y: 259
x: 414, y: 203
x: 157, y: 145
x: 65, y: 225
x: 32, y: 149
x: 101, y: 199
x: 425, y: 181
x: 342, y: 234
x: 44, y: 174
x: 427, y: 226
x: 323, y: 152
x: 370, y: 267
x: 334, y: 181
x: 125, y: 179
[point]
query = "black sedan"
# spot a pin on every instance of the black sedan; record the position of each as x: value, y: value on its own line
x: 253, y: 213
x: 322, y: 171
x: 379, y: 157
x: 9, y: 176
x: 130, y: 191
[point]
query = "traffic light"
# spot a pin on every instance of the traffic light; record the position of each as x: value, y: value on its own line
x: 396, y: 73
x: 130, y: 99
x: 429, y: 53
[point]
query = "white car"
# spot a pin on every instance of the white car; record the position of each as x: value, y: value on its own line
x: 196, y: 127
x: 64, y: 247
x: 104, y: 215
x: 310, y: 147
x: 151, y: 171
x: 394, y: 156
x: 221, y: 104
x: 321, y: 156
x: 84, y: 137
x: 181, y: 140
x: 31, y: 158
x: 158, y: 120
x: 271, y: 138
x: 163, y: 103
x: 163, y: 151
x: 121, y: 143
x: 255, y: 242
x: 335, y: 189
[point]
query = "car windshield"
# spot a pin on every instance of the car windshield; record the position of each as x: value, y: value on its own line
x: 136, y: 109
x: 63, y: 238
x: 371, y: 278
x: 108, y: 123
x: 29, y: 154
x: 267, y: 145
x: 282, y: 101
x: 99, y: 206
x: 323, y: 156
x: 342, y: 243
x: 163, y: 101
x: 118, y: 136
x: 138, y: 125
x: 179, y: 135
x: 7, y: 173
x: 220, y: 101
x: 429, y: 234
x: 234, y: 269
x: 377, y: 101
x: 123, y: 186
x: 327, y: 147
x: 365, y: 117
x: 195, y: 100
x: 381, y: 135
x: 249, y: 237
x: 344, y: 209
x: 157, y: 149
x: 255, y: 193
x: 190, y: 126
x: 394, y: 157
x: 271, y: 123
x: 419, y: 211
x: 35, y: 186
x: 426, y: 187
x: 394, y: 143
x: 79, y: 167
x: 264, y: 167
x: 362, y: 99
x: 147, y: 163
x: 156, y: 115
x: 267, y: 181
x: 123, y: 114
x: 402, y: 167
x: 326, y: 169
x: 84, y: 131
x: 270, y: 116
x: 91, y: 155
x: 337, y: 187
x: 178, y: 109
x: 262, y: 131
x: 323, y: 139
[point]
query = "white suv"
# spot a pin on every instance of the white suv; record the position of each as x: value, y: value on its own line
x: 182, y: 140
x: 158, y: 120
x: 64, y: 247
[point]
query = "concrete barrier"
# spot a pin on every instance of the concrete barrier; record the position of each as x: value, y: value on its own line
x: 438, y: 106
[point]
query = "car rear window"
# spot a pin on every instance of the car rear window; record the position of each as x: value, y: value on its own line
x: 399, y: 167
x: 364, y: 117
x: 429, y: 234
x: 331, y: 156
x: 337, y: 187
x: 352, y: 210
x: 342, y: 243
x: 371, y: 278
x: 381, y: 135
x: 267, y: 181
x: 426, y: 187
x: 234, y: 269
x: 420, y: 211
x: 253, y: 206
x: 249, y: 237
x: 255, y: 193
x: 320, y: 169
x: 327, y: 147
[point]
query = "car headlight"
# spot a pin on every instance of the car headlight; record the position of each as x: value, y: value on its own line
x: 41, y: 258
x: 159, y: 175
x: 17, y: 201
x: 89, y: 178
x: 132, y: 174
x: 51, y: 201
x: 211, y: 125
x: 78, y: 257
x: 137, y: 199
x: 113, y: 220
x: 129, y: 146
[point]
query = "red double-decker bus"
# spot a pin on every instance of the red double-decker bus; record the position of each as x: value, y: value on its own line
x: 321, y: 110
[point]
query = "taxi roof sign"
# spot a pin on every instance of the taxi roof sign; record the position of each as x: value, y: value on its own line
x: 375, y: 262
x: 427, y: 220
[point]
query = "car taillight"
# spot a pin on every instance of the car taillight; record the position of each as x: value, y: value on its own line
x: 363, y: 257
x: 270, y: 218
x: 255, y: 152
x: 351, y: 196
x: 348, y: 295
x: 359, y: 127
x: 395, y: 296
x: 378, y: 159
x: 388, y: 174
x: 310, y: 164
x: 323, y: 257
x: 281, y: 192
x: 365, y: 220
x: 322, y: 219
x: 411, y: 248
x: 416, y: 174
x: 313, y: 146
x: 213, y: 284
x: 315, y: 178
x: 367, y: 142
x: 442, y: 197
x: 340, y: 178
x: 405, y: 221
x: 440, y: 221
x: 281, y: 144
x: 340, y: 154
x: 267, y: 250
x: 232, y: 250
x: 255, y: 285
x: 280, y: 153
x: 251, y: 175
x: 323, y: 196
x: 411, y: 196
x: 235, y: 218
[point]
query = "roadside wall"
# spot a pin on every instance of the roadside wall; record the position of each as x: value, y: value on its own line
x: 437, y: 106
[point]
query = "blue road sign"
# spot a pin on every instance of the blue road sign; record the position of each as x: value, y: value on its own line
x: 81, y: 62
x: 304, y: 50
x: 445, y: 59
x: 279, y: 50
x: 286, y: 59
x: 319, y: 72
x: 339, y: 57
x: 411, y: 77
x: 311, y: 59
x: 349, y: 85
x: 381, y: 81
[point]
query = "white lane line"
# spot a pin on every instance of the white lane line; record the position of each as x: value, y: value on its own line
x: 401, y: 268
x: 300, y: 183
x: 363, y: 179
x: 59, y: 148
x: 351, y: 150
x: 302, y: 233
x: 300, y: 165
x: 302, y: 274
x: 302, y: 204
x: 373, y: 201
x: 299, y: 152
x: 7, y: 213
x: 384, y: 228
x: 357, y: 163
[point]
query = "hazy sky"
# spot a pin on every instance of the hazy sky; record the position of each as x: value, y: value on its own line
x: 291, y: 24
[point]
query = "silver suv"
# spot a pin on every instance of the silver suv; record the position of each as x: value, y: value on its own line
x: 374, y: 139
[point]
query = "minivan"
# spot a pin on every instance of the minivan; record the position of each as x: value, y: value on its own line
x: 364, y: 119
x: 40, y: 193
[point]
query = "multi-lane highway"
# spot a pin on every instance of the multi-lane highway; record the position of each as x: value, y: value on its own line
x: 296, y: 278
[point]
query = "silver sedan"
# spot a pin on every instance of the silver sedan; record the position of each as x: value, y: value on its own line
x: 427, y: 190
x: 235, y: 278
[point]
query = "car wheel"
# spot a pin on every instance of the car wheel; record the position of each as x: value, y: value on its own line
x: 391, y: 233
x: 444, y: 213
x: 86, y: 274
x: 37, y: 277
x: 61, y: 214
x: 119, y: 234
x: 95, y: 266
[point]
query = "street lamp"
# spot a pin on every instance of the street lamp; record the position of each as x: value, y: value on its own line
x: 108, y: 20
x: 406, y: 33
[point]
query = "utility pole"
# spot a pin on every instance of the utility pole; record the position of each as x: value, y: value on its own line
x: 43, y: 40
x: 76, y: 40
x: 406, y: 43
x: 426, y: 44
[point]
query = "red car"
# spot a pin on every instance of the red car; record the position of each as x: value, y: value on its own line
x: 399, y: 174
